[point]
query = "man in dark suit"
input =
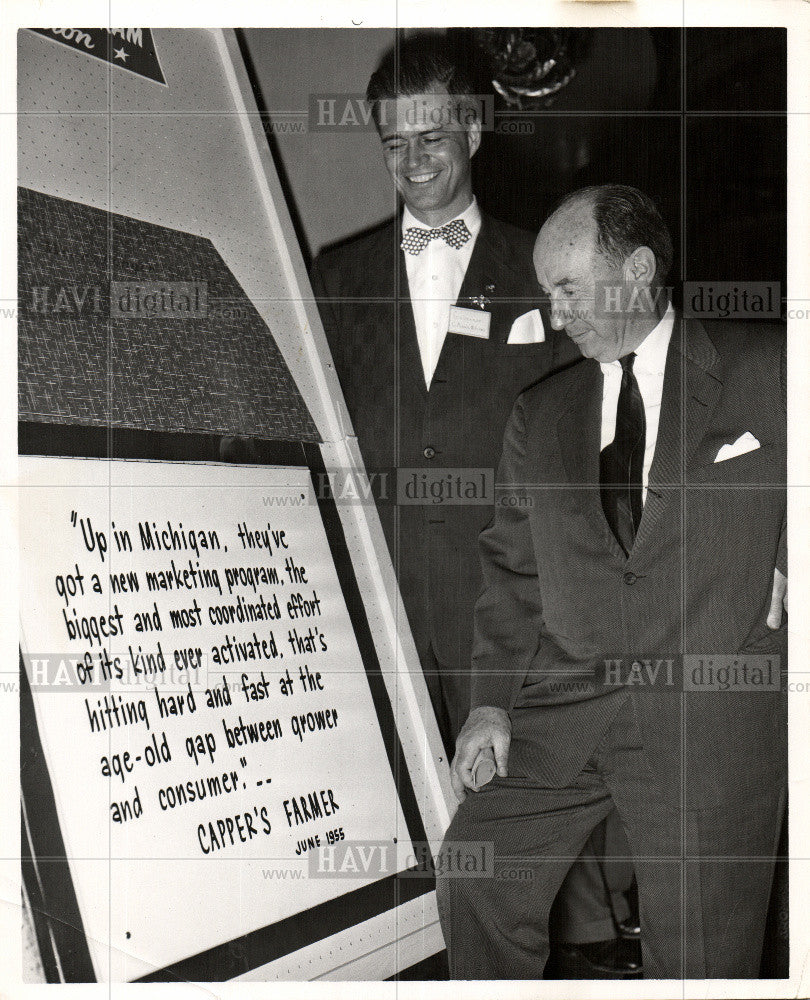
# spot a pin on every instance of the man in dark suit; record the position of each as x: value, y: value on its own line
x: 429, y: 387
x: 434, y: 325
x: 625, y: 654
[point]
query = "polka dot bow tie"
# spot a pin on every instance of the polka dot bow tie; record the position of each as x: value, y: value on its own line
x: 455, y: 234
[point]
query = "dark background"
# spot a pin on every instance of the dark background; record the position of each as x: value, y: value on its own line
x: 696, y: 117
x: 703, y: 130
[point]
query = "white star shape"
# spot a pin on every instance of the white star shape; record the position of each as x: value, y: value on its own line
x: 120, y: 54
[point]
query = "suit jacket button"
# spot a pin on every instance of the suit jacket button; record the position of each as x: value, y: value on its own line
x: 630, y: 579
x: 429, y: 452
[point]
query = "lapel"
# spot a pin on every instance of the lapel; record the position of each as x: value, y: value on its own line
x: 579, y: 425
x: 579, y: 429
x: 409, y: 361
x: 693, y: 383
x: 482, y: 277
x: 484, y: 266
x: 491, y: 273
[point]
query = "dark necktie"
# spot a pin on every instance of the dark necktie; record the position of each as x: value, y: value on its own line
x: 455, y: 234
x: 621, y: 463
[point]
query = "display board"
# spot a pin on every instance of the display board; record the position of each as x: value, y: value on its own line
x: 205, y: 710
x: 229, y: 764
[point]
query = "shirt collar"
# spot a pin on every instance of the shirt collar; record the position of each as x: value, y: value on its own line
x: 471, y: 216
x: 651, y: 353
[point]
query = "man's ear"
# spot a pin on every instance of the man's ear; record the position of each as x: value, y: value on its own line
x: 474, y: 136
x: 640, y: 267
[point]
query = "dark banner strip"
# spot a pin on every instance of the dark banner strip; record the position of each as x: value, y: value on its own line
x: 132, y: 49
x: 57, y: 908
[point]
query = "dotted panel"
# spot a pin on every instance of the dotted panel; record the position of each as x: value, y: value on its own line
x: 222, y: 373
x: 40, y: 89
x: 174, y: 155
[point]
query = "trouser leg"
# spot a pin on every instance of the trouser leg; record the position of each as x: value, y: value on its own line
x: 704, y: 875
x: 496, y: 927
x: 591, y: 901
x: 617, y: 867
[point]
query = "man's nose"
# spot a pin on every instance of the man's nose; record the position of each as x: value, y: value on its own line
x: 558, y: 315
x: 415, y: 153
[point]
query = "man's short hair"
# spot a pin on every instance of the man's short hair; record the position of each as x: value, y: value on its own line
x: 416, y: 66
x: 626, y: 219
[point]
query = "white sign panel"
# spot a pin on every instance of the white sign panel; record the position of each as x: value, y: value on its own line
x: 205, y: 713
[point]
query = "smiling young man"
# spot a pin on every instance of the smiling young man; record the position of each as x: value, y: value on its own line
x: 428, y: 141
x: 435, y: 327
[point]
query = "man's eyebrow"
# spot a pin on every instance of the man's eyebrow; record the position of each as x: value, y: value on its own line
x: 557, y: 284
x: 436, y: 129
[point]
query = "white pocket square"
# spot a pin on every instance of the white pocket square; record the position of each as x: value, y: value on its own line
x: 527, y: 329
x: 744, y: 443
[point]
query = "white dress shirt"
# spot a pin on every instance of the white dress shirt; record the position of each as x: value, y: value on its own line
x: 434, y: 281
x: 651, y: 359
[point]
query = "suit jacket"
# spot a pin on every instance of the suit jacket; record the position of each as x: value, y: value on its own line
x: 362, y: 292
x: 561, y: 597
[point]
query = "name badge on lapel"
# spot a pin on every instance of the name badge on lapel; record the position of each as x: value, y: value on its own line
x: 469, y: 322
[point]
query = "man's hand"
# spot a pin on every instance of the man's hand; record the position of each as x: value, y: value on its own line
x: 485, y: 727
x: 778, y: 599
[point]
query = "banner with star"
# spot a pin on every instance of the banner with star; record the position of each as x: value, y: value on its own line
x: 132, y: 49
